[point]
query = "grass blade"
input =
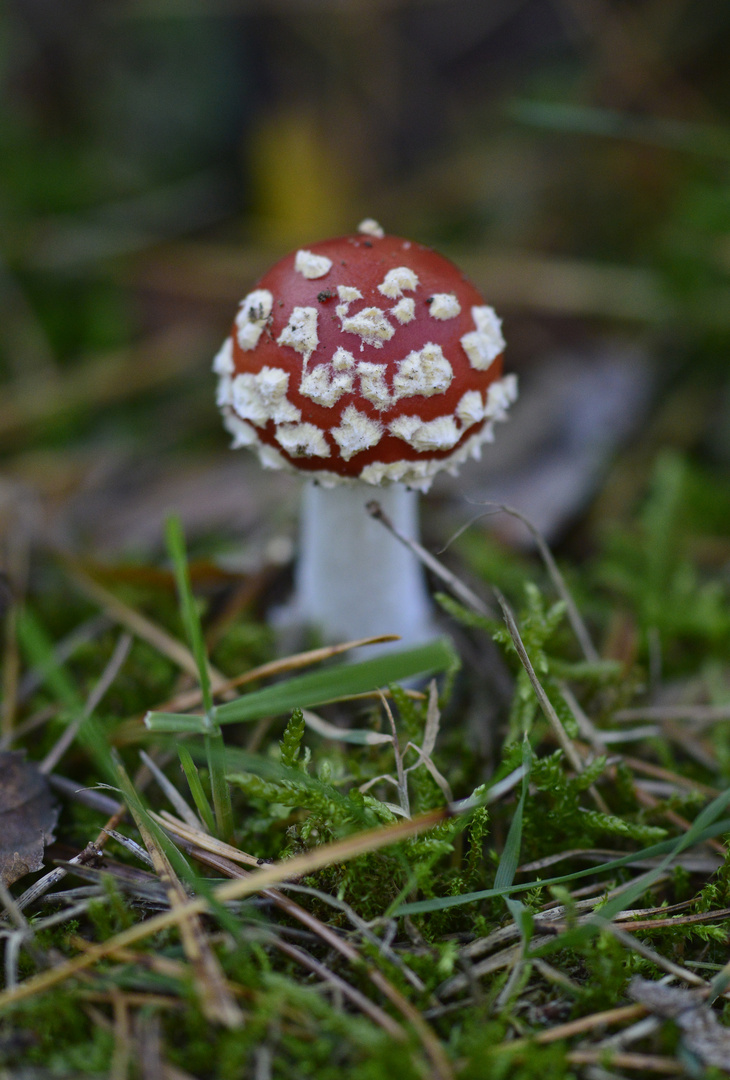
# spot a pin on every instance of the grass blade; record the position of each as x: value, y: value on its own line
x: 196, y: 788
x: 213, y: 738
x: 510, y: 858
x: 345, y: 680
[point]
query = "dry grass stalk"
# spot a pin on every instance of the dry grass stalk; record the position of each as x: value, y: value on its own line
x: 138, y: 624
x: 216, y: 999
x: 189, y: 699
x: 307, y: 863
x: 428, y: 1040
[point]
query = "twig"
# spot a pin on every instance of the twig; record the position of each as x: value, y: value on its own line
x: 696, y: 714
x: 478, y: 605
x: 457, y: 587
x: 574, y: 616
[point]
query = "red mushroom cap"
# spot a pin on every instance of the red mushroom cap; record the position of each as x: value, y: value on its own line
x: 366, y: 357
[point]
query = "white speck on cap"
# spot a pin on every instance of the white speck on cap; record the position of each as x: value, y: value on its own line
x: 371, y: 325
x: 324, y: 386
x: 426, y: 435
x: 302, y: 440
x: 500, y: 395
x: 423, y: 372
x: 356, y: 432
x: 373, y: 385
x: 300, y: 332
x: 252, y: 318
x: 370, y: 227
x: 414, y: 473
x: 397, y: 281
x: 405, y: 310
x: 470, y: 409
x: 262, y: 397
x: 270, y: 457
x: 484, y: 344
x: 243, y: 433
x: 223, y: 360
x: 342, y: 359
x: 444, y: 306
x: 310, y: 265
x: 346, y: 293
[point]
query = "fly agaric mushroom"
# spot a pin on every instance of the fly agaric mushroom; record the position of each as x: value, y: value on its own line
x: 364, y: 361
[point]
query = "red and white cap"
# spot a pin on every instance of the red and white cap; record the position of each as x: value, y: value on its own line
x: 364, y: 358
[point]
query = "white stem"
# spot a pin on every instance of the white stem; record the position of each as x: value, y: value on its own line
x: 353, y: 578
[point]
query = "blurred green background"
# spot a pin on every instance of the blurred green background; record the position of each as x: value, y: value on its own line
x: 155, y: 157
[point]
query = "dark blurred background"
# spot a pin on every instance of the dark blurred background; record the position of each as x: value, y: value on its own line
x: 155, y: 157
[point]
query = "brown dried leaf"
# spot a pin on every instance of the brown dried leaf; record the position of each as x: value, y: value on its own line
x: 28, y: 815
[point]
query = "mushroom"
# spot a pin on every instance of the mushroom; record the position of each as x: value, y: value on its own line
x: 363, y: 361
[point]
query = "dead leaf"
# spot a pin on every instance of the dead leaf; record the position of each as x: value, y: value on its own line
x: 28, y: 815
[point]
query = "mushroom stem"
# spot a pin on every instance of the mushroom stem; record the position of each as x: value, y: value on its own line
x: 354, y: 579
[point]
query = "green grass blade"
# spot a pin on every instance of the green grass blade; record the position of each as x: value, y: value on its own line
x: 338, y: 682
x: 419, y: 907
x: 174, y: 723
x: 214, y: 741
x: 196, y: 788
x: 216, y: 753
x: 39, y: 651
x: 176, y: 546
x: 510, y: 858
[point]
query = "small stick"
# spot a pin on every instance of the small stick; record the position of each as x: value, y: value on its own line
x: 574, y: 616
x: 458, y: 588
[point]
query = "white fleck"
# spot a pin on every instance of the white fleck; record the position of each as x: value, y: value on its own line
x: 397, y: 281
x: 262, y: 397
x: 470, y: 409
x: 243, y: 433
x: 444, y: 306
x: 424, y: 372
x: 371, y: 325
x: 302, y: 440
x: 346, y: 293
x: 224, y: 391
x: 405, y: 310
x: 253, y: 316
x: 300, y: 332
x: 484, y: 344
x: 324, y: 386
x: 223, y: 361
x: 426, y: 435
x: 500, y: 395
x: 413, y: 473
x: 310, y: 265
x: 356, y: 432
x: 373, y: 385
x: 342, y: 359
x: 370, y: 227
x: 270, y: 457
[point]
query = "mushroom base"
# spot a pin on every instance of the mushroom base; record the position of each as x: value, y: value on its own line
x: 353, y: 578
